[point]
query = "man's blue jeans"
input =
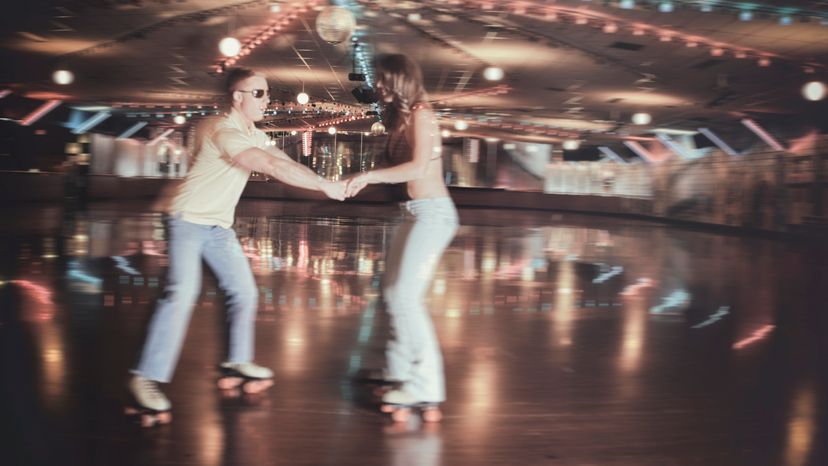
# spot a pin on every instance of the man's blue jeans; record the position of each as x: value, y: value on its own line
x: 189, y: 243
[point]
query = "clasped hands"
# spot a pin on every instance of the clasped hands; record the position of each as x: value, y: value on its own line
x: 343, y: 189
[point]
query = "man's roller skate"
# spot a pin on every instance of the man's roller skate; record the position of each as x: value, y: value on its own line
x: 148, y: 404
x: 239, y: 378
x: 400, y: 404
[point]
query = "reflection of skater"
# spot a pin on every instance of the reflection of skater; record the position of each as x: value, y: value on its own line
x: 414, y: 153
x: 201, y: 228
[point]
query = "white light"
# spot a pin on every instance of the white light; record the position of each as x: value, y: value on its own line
x: 179, y: 119
x: 785, y: 20
x: 665, y: 7
x: 642, y: 118
x: 493, y: 73
x: 814, y: 90
x: 229, y: 46
x: 509, y: 146
x: 332, y: 130
x: 571, y: 144
x: 461, y: 125
x: 63, y: 77
x: 627, y: 4
x: 746, y: 15
x: 275, y: 7
x: 445, y: 133
x: 302, y: 98
x: 293, y: 133
x: 377, y: 128
x: 707, y: 7
x: 414, y: 17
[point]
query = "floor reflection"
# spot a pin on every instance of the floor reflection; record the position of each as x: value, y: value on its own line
x: 581, y: 340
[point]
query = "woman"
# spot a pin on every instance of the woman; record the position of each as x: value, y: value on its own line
x: 414, y: 156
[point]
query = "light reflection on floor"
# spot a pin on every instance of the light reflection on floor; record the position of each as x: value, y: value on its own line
x: 573, y: 340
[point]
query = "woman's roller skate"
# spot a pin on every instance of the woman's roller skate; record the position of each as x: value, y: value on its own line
x: 244, y: 377
x: 148, y: 402
x: 400, y: 404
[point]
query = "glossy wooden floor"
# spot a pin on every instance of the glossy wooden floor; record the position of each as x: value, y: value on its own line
x: 567, y: 341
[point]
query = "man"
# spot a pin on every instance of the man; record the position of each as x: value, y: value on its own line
x: 201, y: 228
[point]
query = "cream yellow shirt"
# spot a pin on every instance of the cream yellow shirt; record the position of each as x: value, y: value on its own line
x: 214, y: 184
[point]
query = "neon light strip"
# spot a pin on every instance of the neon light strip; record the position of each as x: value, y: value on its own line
x: 718, y: 141
x: 612, y: 155
x: 764, y: 135
x: 639, y: 150
x: 91, y: 122
x: 132, y: 130
x: 40, y: 112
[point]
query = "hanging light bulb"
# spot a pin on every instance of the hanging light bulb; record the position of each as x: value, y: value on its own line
x: 229, y: 46
x: 179, y: 119
x: 461, y: 125
x: 814, y: 90
x: 642, y: 118
x: 445, y: 133
x: 293, y: 133
x: 493, y: 73
x: 63, y: 77
x: 332, y: 130
x: 302, y: 98
x: 571, y: 144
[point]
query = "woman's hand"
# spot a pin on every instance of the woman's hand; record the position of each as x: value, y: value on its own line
x: 356, y: 184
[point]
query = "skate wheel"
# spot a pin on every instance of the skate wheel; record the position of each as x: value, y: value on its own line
x: 164, y: 418
x: 147, y: 421
x: 130, y: 411
x: 387, y: 409
x: 401, y: 415
x: 257, y: 386
x: 432, y: 415
x: 229, y: 383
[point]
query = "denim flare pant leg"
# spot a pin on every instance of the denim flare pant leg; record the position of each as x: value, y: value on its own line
x: 189, y: 243
x: 413, y: 353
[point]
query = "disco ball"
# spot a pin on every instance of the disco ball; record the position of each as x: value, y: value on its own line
x: 377, y: 128
x: 335, y: 24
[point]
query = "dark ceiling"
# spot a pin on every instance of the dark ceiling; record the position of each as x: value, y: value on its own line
x: 573, y: 69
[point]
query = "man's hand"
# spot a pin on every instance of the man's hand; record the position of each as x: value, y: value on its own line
x: 356, y: 184
x: 334, y: 189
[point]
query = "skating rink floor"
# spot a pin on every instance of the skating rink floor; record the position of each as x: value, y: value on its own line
x: 567, y: 339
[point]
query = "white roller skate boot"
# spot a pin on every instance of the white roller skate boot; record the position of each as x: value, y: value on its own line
x: 247, y: 377
x: 148, y: 402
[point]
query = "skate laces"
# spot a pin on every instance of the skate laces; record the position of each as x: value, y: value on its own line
x: 150, y: 389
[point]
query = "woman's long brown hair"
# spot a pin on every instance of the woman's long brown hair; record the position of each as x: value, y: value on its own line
x: 402, y: 78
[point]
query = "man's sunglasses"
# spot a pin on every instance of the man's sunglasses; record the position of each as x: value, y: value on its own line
x: 257, y: 93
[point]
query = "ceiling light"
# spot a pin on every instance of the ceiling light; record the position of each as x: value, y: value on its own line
x: 571, y: 144
x: 666, y: 7
x: 461, y: 125
x: 814, y: 90
x: 745, y: 15
x: 610, y: 28
x: 302, y: 98
x: 445, y: 133
x: 332, y: 130
x: 785, y: 20
x: 493, y: 73
x: 63, y: 77
x: 642, y: 118
x: 626, y: 4
x: 229, y: 46
x: 293, y: 132
x: 179, y: 119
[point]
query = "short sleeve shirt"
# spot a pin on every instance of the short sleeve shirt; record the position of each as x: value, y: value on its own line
x: 214, y: 184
